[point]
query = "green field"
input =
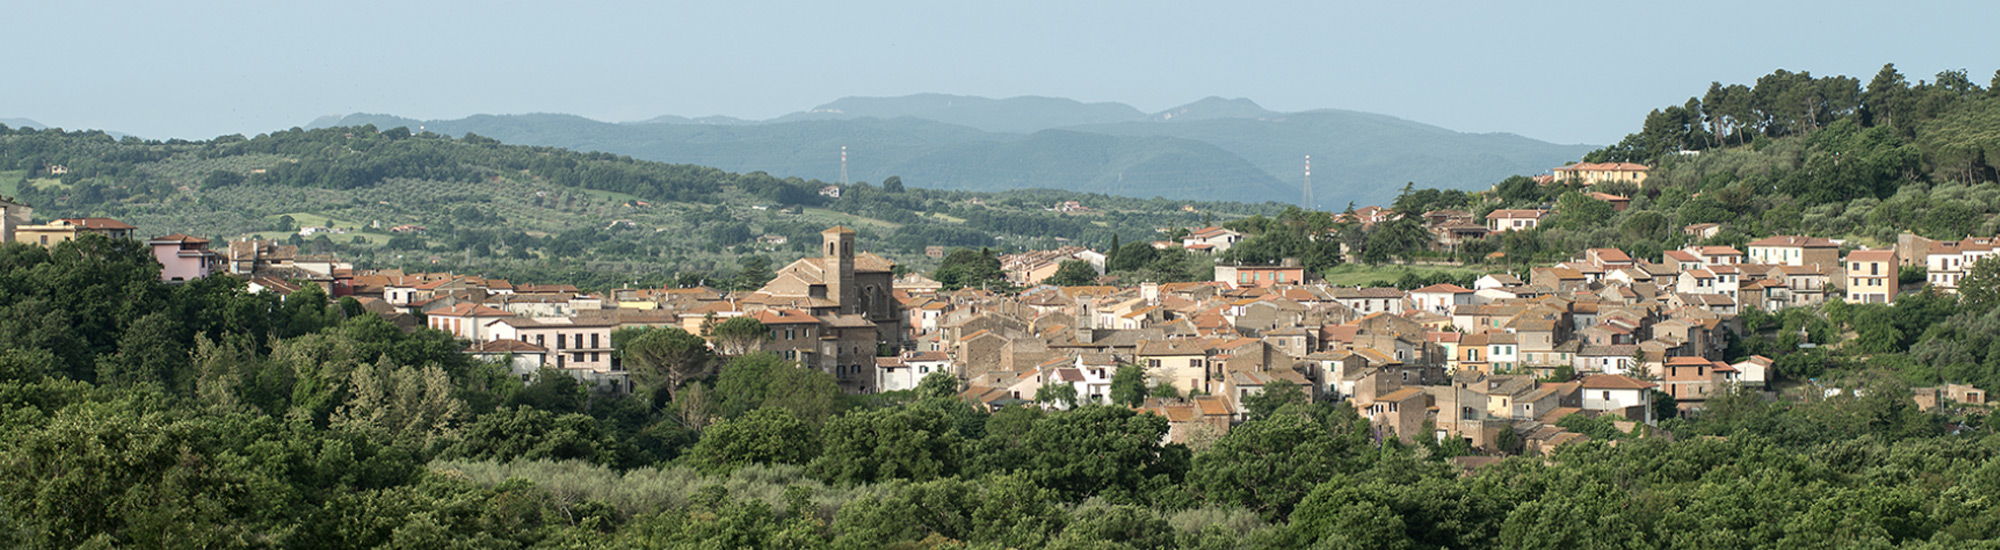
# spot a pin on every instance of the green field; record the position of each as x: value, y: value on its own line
x: 10, y: 182
x: 1360, y: 274
x: 851, y: 220
x: 307, y: 219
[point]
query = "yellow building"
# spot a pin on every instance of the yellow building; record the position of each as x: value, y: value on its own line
x: 1592, y: 173
x: 67, y: 229
x: 1871, y: 276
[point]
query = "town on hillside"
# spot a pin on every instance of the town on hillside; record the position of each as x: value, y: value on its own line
x: 1602, y: 335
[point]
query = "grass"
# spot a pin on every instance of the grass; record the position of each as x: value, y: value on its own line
x: 306, y: 219
x: 608, y: 196
x: 844, y: 218
x: 372, y: 239
x: 1361, y: 274
x: 10, y: 182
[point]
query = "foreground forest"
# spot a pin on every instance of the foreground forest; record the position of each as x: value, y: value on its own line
x: 139, y: 414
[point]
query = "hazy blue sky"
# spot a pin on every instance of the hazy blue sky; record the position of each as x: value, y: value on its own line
x: 1568, y: 72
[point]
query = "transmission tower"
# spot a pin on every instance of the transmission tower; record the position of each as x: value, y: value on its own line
x: 843, y: 165
x: 1309, y: 183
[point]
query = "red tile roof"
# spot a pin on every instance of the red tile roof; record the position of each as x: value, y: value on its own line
x: 1615, y: 382
x: 98, y: 223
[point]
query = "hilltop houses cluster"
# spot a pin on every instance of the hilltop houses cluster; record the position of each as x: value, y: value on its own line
x: 1505, y: 359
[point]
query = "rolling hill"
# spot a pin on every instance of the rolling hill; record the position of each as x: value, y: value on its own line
x: 1212, y: 149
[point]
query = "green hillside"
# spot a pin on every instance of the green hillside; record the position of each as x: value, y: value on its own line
x: 545, y: 214
x: 1361, y: 157
x: 1021, y: 115
x: 1219, y: 148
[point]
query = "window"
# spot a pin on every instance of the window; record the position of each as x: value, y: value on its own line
x: 1607, y: 395
x: 593, y: 356
x: 561, y: 342
x: 593, y: 339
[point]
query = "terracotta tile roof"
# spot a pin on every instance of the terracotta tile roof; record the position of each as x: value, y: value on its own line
x: 181, y: 238
x: 784, y: 317
x: 1615, y: 382
x: 1400, y: 395
x: 1604, y: 167
x: 1872, y: 256
x: 1794, y: 240
x: 1504, y: 214
x: 505, y: 346
x: 1612, y: 254
x: 1444, y: 287
x: 98, y: 223
x: 1178, y: 346
x: 470, y: 310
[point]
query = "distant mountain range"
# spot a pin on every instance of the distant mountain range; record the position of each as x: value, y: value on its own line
x: 1212, y: 149
x: 21, y: 123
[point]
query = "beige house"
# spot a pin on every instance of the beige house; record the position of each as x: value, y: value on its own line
x: 1795, y: 251
x: 1871, y: 276
x: 1504, y: 220
x: 1180, y: 362
x: 1592, y: 173
x: 67, y: 229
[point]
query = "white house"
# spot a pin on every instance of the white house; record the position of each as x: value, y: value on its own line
x: 1440, y: 298
x: 1753, y: 372
x: 906, y: 371
x: 1612, y: 392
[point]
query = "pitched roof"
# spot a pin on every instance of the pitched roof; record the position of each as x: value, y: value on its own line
x: 1179, y: 346
x: 507, y: 345
x: 470, y: 310
x: 1443, y: 288
x: 98, y: 223
x: 1872, y: 256
x: 1505, y: 213
x: 1794, y: 240
x: 784, y: 317
x: 1615, y: 382
x: 181, y: 238
x: 1605, y: 166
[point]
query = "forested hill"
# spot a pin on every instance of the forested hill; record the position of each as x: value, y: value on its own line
x: 1212, y: 149
x: 537, y: 213
x: 1789, y: 154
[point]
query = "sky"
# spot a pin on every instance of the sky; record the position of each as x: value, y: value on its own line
x: 1559, y: 71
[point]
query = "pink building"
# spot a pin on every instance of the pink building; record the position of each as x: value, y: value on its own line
x: 183, y: 258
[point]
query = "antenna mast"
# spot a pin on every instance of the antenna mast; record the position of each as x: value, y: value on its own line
x: 843, y: 165
x: 1309, y: 183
